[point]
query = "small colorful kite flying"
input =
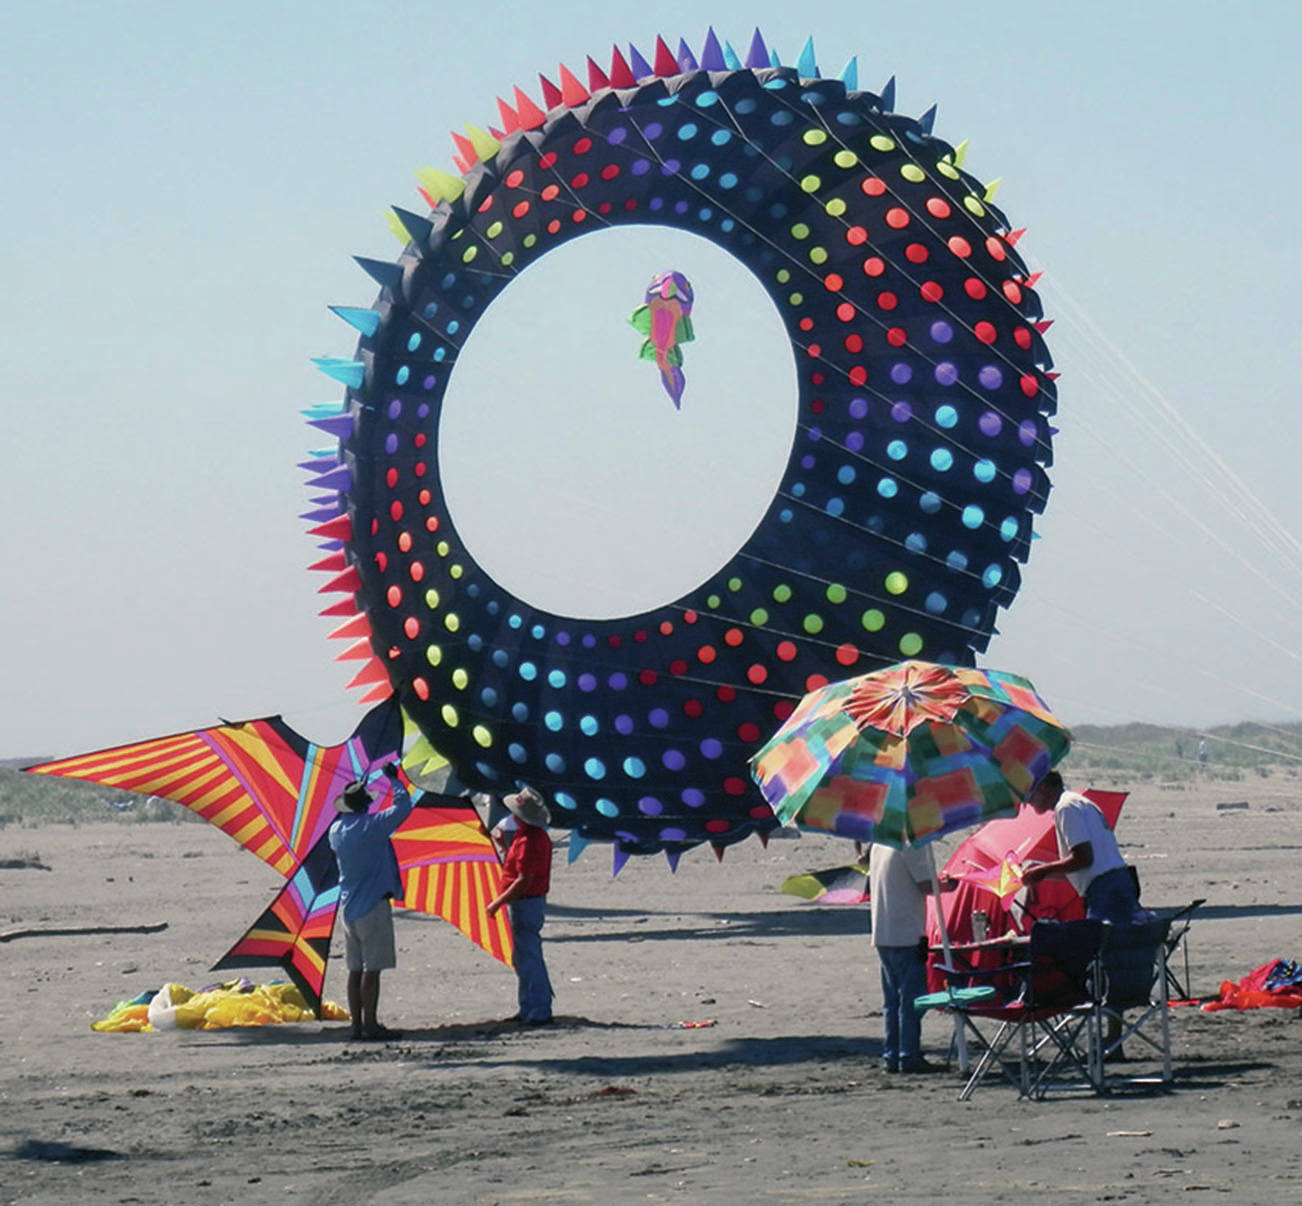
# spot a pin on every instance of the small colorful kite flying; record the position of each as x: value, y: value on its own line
x: 665, y: 319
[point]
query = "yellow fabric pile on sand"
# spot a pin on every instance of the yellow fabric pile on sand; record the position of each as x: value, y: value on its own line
x: 176, y: 1007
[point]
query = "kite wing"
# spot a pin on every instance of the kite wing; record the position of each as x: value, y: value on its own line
x: 294, y: 932
x: 451, y: 870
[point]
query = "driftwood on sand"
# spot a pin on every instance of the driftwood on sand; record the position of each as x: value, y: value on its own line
x: 64, y: 932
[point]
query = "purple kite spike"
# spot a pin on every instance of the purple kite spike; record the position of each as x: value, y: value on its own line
x: 686, y: 59
x: 641, y: 68
x: 621, y: 857
x: 325, y: 500
x: 712, y: 53
x: 340, y: 479
x: 319, y: 464
x: 321, y: 515
x: 340, y: 426
x: 673, y: 856
x: 757, y: 57
x: 330, y: 546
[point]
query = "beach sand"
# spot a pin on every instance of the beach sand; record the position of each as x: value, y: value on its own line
x: 780, y: 1100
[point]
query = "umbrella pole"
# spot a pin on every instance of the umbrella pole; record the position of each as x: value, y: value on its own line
x: 960, y: 1035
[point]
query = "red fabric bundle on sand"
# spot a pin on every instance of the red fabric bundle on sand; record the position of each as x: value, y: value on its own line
x: 1277, y: 985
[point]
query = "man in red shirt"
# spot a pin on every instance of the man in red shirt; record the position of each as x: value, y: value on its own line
x: 528, y: 873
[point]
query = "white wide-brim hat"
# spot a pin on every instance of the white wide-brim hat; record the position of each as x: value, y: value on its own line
x: 528, y: 806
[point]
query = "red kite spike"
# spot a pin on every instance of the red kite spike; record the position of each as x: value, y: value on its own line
x: 351, y: 630
x: 510, y: 118
x: 358, y: 651
x: 1043, y: 325
x: 531, y: 117
x: 665, y: 64
x: 500, y: 135
x: 621, y: 74
x: 348, y: 582
x: 339, y: 528
x: 466, y: 149
x: 376, y: 694
x: 597, y: 79
x: 1013, y: 235
x: 573, y: 93
x: 372, y: 672
x: 430, y: 201
x: 551, y: 94
x: 718, y: 850
x: 345, y: 607
x: 1053, y: 376
x: 461, y: 165
x: 764, y: 839
x: 1032, y: 279
x: 332, y: 564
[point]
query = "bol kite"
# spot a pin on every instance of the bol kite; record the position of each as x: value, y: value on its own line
x: 907, y: 500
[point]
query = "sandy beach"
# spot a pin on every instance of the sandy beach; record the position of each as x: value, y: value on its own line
x: 780, y: 1100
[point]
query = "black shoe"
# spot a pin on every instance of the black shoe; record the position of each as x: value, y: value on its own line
x: 535, y: 1021
x: 890, y: 1066
x: 918, y: 1065
x: 380, y: 1034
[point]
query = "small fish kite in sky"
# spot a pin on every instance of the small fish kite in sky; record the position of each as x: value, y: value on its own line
x: 665, y: 319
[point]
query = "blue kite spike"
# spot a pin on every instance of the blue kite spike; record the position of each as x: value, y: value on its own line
x: 806, y: 65
x: 322, y: 410
x: 730, y: 57
x: 672, y: 857
x: 366, y: 321
x: 850, y: 74
x: 351, y: 372
x: 686, y: 59
x: 888, y: 96
x: 712, y: 53
x: 927, y: 121
x: 757, y: 57
x: 339, y: 426
x: 419, y: 228
x: 638, y: 65
x: 775, y: 59
x: 382, y: 272
x: 578, y: 844
x: 617, y: 864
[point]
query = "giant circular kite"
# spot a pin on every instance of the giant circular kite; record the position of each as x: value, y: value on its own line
x: 906, y: 502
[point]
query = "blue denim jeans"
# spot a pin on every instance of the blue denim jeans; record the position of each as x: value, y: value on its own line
x: 904, y: 977
x: 1111, y: 897
x: 535, y: 989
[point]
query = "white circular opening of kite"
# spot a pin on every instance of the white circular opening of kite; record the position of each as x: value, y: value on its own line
x: 618, y: 422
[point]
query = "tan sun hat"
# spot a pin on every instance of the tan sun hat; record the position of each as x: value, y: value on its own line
x: 528, y: 806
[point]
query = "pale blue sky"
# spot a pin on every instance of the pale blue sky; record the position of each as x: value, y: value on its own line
x: 184, y: 185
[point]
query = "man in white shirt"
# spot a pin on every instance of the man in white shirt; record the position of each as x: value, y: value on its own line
x: 1088, y: 854
x: 899, y: 882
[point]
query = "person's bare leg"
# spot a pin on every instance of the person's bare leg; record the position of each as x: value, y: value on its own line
x: 355, y: 1001
x: 369, y: 991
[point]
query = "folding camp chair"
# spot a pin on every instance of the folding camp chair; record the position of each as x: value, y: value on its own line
x: 1176, y: 945
x: 1133, y: 980
x: 1037, y: 1029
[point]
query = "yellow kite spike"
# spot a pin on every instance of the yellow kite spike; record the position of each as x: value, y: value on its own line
x: 486, y: 146
x: 440, y: 185
x: 960, y: 153
x: 992, y: 188
x: 396, y: 228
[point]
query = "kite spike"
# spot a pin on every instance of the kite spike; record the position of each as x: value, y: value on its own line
x: 888, y: 96
x: 850, y: 74
x: 1033, y: 279
x: 432, y: 202
x: 672, y: 857
x: 578, y: 844
x: 358, y: 651
x: 377, y: 693
x: 665, y: 63
x: 396, y: 228
x: 418, y: 229
x: 757, y: 57
x: 641, y: 69
x: 1043, y: 325
x: 349, y: 582
x: 350, y: 372
x: 621, y: 74
x: 573, y: 93
x: 960, y: 153
x: 992, y: 188
x: 730, y: 57
x: 1052, y: 376
x: 775, y: 60
x: 510, y: 118
x: 351, y: 629
x: 336, y: 529
x: 462, y: 165
x: 1013, y: 237
x: 500, y: 135
x: 384, y: 273
x: 764, y: 839
x: 531, y: 117
x: 686, y: 59
x: 373, y: 672
x: 332, y: 564
x: 927, y: 122
x: 484, y: 144
x: 346, y: 606
x: 597, y: 79
x: 466, y: 152
x: 620, y: 858
x: 806, y: 63
x: 718, y: 848
x: 366, y: 321
x: 340, y: 480
x: 550, y: 93
x: 320, y: 514
x: 712, y: 53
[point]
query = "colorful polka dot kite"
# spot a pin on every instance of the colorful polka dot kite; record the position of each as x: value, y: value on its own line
x: 906, y: 505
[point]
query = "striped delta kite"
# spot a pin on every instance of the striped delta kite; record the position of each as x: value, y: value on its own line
x: 272, y: 791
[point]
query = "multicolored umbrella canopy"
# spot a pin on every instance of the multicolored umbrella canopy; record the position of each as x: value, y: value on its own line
x: 909, y: 753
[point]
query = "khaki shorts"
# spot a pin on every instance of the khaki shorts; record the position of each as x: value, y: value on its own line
x: 368, y: 941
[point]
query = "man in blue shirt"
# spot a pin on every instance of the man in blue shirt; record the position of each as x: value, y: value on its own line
x: 368, y: 877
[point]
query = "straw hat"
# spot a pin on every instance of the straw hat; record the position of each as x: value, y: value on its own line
x: 355, y: 798
x: 528, y: 806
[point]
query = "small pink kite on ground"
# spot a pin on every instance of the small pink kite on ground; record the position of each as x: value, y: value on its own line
x: 664, y: 318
